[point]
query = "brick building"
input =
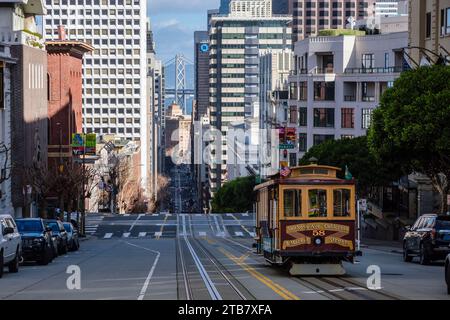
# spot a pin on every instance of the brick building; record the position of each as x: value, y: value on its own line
x: 64, y: 78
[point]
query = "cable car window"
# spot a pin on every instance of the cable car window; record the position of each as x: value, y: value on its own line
x: 317, y: 203
x: 292, y: 203
x: 341, y: 202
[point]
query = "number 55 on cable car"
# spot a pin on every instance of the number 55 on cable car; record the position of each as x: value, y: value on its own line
x: 306, y: 219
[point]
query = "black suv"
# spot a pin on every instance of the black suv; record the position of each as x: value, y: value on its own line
x: 428, y: 238
x: 60, y: 233
x: 36, y: 240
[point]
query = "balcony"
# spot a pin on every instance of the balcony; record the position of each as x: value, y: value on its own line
x: 326, y: 70
x: 350, y: 91
x: 21, y: 37
x: 349, y: 98
x: 373, y: 70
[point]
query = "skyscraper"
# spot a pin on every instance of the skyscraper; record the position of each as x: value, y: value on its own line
x: 236, y: 40
x: 114, y: 76
x: 311, y: 16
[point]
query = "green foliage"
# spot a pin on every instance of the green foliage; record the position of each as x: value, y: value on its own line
x: 411, y: 127
x: 36, y: 34
x: 340, y: 32
x: 355, y: 154
x: 235, y: 196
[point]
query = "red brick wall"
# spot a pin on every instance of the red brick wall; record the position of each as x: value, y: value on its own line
x: 65, y: 97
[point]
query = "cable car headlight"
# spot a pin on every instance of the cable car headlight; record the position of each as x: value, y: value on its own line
x: 318, y: 241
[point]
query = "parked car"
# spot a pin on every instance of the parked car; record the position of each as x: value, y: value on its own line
x: 36, y: 240
x: 59, y: 235
x: 72, y: 234
x: 428, y: 238
x: 10, y: 244
x: 447, y: 273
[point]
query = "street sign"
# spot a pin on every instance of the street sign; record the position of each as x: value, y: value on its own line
x: 286, y: 146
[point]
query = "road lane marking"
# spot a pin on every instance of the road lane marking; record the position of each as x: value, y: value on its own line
x: 126, y: 235
x: 242, y: 226
x: 159, y: 234
x: 108, y: 236
x: 134, y: 223
x: 281, y: 291
x: 152, y: 270
x: 142, y: 234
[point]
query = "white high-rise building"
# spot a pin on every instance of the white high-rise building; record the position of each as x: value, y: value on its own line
x: 236, y: 42
x: 114, y: 75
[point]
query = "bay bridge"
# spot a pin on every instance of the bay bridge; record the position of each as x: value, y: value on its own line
x: 179, y: 93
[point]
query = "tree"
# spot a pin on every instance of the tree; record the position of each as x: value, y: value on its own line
x: 42, y: 183
x: 355, y: 154
x: 411, y: 127
x: 235, y: 196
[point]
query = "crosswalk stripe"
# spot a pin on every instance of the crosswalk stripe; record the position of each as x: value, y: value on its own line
x: 245, y: 214
x: 126, y: 235
x: 158, y: 234
x: 108, y: 235
x: 239, y: 234
x: 142, y: 234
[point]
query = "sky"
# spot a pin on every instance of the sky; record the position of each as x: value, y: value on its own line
x: 174, y: 22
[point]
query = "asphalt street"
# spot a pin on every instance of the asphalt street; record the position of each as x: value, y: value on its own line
x: 181, y: 256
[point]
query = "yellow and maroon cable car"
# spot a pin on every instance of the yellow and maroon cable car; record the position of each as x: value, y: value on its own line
x: 305, y: 216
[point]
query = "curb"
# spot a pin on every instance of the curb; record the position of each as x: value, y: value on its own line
x: 85, y: 238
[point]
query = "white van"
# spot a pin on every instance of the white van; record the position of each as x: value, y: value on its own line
x: 10, y: 244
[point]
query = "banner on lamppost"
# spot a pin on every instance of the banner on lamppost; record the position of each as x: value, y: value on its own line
x: 77, y: 143
x: 91, y: 144
x: 84, y: 144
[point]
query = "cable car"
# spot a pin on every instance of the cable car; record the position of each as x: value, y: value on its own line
x: 306, y: 218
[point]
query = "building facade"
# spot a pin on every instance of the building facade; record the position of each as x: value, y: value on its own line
x: 155, y: 98
x: 338, y: 82
x: 274, y: 88
x: 64, y: 79
x: 311, y: 16
x: 429, y: 30
x: 236, y: 41
x: 28, y: 112
x: 200, y: 116
x: 6, y: 63
x: 114, y: 81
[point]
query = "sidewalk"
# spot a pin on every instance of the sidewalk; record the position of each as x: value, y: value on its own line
x: 383, y: 245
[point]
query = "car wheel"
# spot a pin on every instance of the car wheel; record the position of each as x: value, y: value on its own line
x: 406, y: 256
x: 424, y: 259
x: 65, y: 248
x: 1, y: 264
x: 13, y: 267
